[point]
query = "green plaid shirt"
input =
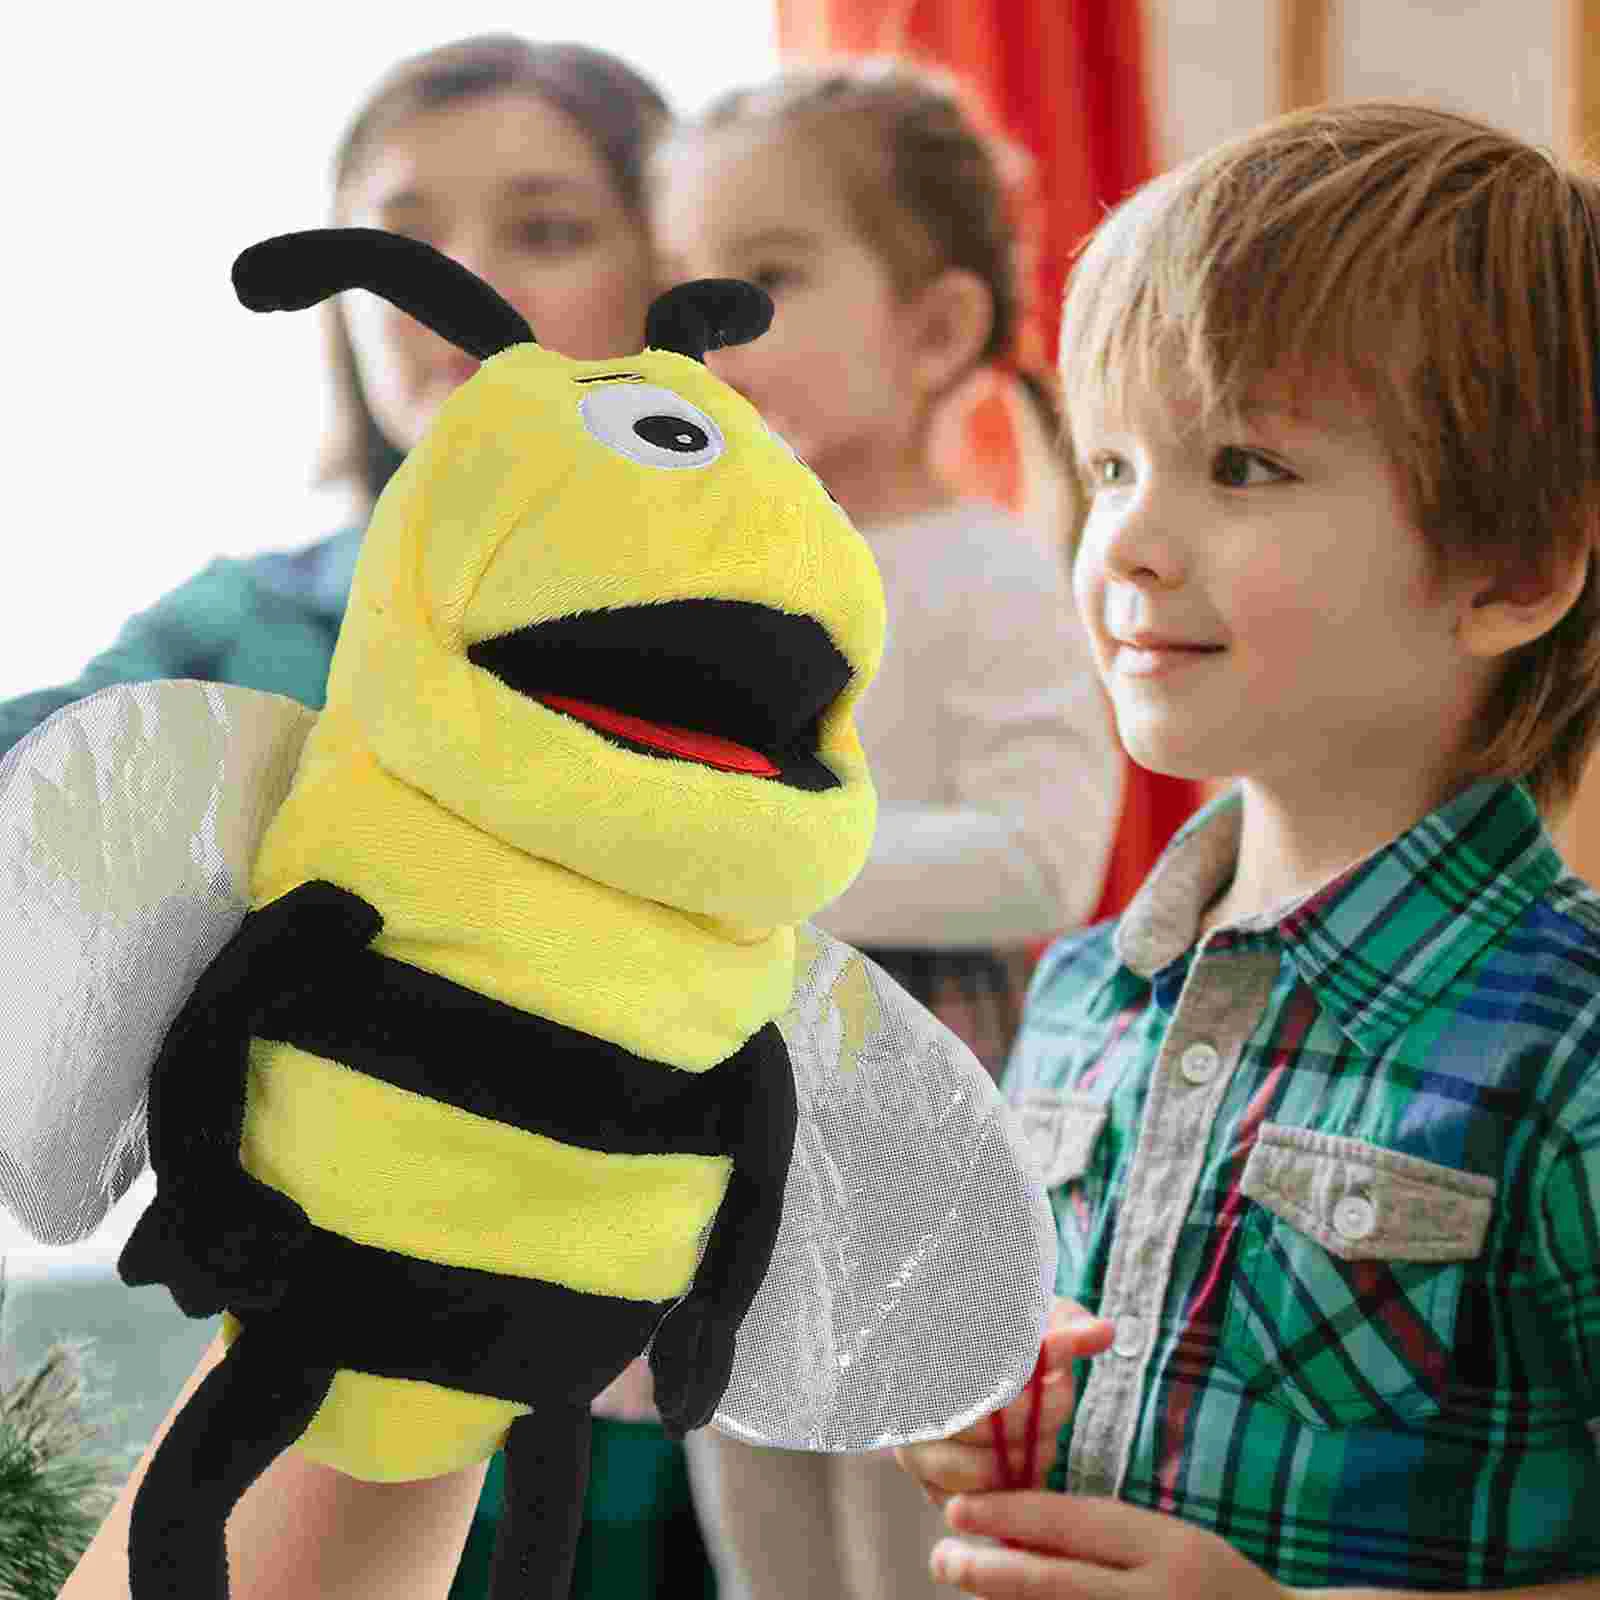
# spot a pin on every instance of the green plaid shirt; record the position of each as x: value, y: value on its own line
x: 1335, y: 1176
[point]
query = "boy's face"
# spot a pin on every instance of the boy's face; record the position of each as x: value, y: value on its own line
x: 1287, y: 545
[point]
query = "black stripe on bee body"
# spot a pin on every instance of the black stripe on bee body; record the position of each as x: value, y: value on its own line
x: 434, y: 1037
x: 366, y: 1309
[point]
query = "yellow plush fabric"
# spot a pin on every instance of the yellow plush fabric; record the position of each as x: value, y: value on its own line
x: 467, y: 1191
x: 448, y: 800
x: 646, y: 901
x: 394, y: 1430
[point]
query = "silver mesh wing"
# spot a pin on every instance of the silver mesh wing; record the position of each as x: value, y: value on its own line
x: 916, y: 1260
x: 128, y: 823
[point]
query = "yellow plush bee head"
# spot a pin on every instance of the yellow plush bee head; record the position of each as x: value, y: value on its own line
x: 602, y: 612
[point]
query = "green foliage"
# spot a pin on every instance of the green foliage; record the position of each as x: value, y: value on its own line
x: 55, y: 1491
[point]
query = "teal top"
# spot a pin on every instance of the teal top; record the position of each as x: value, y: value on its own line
x: 268, y: 623
x: 1334, y: 1174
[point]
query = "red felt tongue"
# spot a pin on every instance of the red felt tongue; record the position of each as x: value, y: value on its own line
x: 707, y: 748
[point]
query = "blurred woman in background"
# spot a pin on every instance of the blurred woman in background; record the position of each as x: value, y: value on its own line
x: 523, y: 161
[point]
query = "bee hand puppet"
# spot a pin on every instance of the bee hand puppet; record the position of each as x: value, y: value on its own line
x: 473, y: 1026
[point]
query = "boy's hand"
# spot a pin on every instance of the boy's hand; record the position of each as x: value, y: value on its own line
x: 1089, y: 1547
x: 965, y: 1462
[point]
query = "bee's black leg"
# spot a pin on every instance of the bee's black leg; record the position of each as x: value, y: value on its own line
x: 547, y: 1472
x: 246, y: 1412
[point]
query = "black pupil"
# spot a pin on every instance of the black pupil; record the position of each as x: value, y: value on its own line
x: 672, y: 433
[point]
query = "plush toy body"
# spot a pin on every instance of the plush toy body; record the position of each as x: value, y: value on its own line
x: 494, y: 1086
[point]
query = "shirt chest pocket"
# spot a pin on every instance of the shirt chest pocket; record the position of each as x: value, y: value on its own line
x: 1347, y: 1279
x: 1061, y: 1128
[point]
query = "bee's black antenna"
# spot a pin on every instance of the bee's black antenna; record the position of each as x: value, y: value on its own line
x: 707, y: 314
x: 296, y: 270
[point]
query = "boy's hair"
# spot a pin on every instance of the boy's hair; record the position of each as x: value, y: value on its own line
x: 926, y: 183
x: 1449, y: 272
x: 619, y: 110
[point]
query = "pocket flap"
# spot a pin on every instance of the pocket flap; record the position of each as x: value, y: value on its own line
x: 1060, y: 1127
x: 1362, y: 1202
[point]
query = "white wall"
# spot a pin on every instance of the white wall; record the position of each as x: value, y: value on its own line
x: 1495, y: 59
x: 1212, y: 72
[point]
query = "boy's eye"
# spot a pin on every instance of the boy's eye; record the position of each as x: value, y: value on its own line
x: 1233, y: 463
x: 1095, y: 471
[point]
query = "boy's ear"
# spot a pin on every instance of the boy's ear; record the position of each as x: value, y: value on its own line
x: 1512, y: 610
x: 953, y: 316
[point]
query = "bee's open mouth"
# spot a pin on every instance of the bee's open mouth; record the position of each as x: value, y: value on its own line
x: 727, y: 683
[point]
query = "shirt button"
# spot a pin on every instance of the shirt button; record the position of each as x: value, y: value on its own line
x: 1199, y: 1063
x: 1355, y: 1217
x: 1129, y: 1340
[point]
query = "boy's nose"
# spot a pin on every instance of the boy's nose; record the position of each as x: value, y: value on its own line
x: 1142, y: 534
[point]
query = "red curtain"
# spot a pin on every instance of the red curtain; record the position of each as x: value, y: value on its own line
x: 1064, y: 79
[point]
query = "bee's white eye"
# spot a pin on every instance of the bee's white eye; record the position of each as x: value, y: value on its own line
x: 652, y: 426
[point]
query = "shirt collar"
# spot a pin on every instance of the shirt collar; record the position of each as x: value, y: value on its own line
x: 1379, y: 942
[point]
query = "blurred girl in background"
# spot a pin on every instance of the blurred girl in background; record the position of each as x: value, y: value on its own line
x: 869, y: 207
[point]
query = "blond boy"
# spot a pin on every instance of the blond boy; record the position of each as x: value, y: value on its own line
x: 1320, y: 1114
